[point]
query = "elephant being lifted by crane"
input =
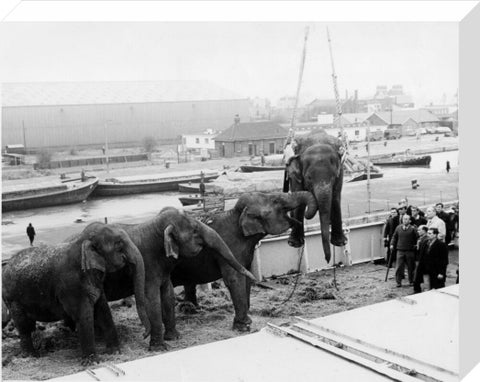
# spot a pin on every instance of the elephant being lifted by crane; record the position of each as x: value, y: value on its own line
x: 316, y: 167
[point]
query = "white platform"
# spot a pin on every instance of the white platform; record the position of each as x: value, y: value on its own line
x: 419, y: 332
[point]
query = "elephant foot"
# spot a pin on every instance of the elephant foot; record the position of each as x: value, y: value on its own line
x: 158, y: 346
x: 188, y: 307
x: 89, y: 360
x: 239, y: 327
x: 338, y: 241
x: 242, y: 326
x: 171, y: 334
x: 295, y: 242
x: 113, y: 349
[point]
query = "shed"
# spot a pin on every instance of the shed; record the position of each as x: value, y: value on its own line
x: 251, y: 138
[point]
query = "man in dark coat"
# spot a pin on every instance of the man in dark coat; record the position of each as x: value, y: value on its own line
x: 404, y: 241
x: 420, y: 255
x: 30, y: 233
x: 436, y: 260
x: 416, y: 218
x: 388, y: 229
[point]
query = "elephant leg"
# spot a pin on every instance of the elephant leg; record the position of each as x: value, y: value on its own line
x: 103, y: 317
x: 297, y: 234
x: 337, y: 236
x: 237, y: 287
x: 191, y: 293
x: 25, y: 327
x: 154, y: 312
x: 69, y: 323
x: 86, y: 332
x: 168, y: 311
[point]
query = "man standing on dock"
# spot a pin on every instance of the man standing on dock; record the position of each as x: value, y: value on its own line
x: 31, y: 233
x: 404, y: 241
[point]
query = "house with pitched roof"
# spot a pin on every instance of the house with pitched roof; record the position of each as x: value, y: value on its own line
x: 251, y: 138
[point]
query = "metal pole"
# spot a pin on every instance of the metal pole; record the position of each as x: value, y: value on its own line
x: 368, y: 170
x: 106, y: 146
x: 24, y: 137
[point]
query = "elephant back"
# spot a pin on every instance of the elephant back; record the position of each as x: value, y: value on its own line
x: 32, y: 267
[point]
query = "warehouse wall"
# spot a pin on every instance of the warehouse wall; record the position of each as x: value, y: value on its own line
x: 69, y: 125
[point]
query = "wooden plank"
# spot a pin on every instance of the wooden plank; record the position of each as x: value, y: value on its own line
x: 373, y: 366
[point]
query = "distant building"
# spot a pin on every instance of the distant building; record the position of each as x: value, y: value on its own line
x: 259, y: 109
x: 251, y: 138
x: 66, y: 114
x: 409, y: 121
x: 198, y: 141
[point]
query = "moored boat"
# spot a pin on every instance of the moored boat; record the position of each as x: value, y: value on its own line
x: 363, y: 176
x: 189, y: 187
x: 66, y: 192
x: 143, y: 184
x: 403, y: 160
x: 253, y: 168
x: 190, y: 200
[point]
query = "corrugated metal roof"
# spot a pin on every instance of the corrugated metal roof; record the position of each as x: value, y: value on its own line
x: 85, y: 93
x: 252, y: 131
x: 399, y: 117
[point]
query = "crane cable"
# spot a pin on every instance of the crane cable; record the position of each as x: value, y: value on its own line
x: 344, y: 139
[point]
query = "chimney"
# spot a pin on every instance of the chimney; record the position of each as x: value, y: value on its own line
x: 236, y: 119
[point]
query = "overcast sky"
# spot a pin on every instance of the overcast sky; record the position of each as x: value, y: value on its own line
x: 251, y: 59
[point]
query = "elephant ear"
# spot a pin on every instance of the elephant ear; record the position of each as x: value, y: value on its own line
x: 294, y: 169
x: 91, y: 259
x: 250, y: 224
x: 171, y: 248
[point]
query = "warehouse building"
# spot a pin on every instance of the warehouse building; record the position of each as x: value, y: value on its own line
x: 66, y: 114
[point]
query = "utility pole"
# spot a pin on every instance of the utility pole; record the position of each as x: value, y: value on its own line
x: 106, y: 146
x: 24, y: 137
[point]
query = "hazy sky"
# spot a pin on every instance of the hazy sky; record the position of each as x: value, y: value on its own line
x: 252, y: 59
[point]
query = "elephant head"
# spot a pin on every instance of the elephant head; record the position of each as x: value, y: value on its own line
x: 263, y: 214
x: 186, y: 237
x: 108, y: 249
x: 317, y: 168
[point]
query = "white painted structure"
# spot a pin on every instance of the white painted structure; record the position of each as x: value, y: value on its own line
x: 414, y: 338
x: 199, y: 141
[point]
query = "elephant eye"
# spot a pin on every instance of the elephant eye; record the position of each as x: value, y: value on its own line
x: 118, y: 245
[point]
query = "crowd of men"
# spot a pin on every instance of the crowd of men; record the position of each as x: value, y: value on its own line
x: 419, y: 241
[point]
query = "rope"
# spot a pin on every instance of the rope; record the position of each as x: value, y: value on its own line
x: 334, y: 271
x: 297, y: 277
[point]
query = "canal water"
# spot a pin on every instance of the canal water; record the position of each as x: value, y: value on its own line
x: 123, y: 208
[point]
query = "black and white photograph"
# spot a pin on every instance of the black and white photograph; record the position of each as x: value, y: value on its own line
x: 231, y: 198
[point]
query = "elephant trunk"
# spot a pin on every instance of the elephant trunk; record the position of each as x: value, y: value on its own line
x: 303, y: 199
x: 323, y: 195
x: 134, y: 257
x: 214, y: 241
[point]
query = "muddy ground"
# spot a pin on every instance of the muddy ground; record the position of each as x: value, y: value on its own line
x: 314, y: 296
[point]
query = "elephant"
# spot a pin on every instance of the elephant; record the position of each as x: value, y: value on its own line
x: 163, y: 241
x: 316, y: 167
x: 65, y: 282
x: 253, y: 217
